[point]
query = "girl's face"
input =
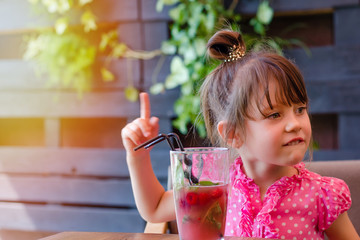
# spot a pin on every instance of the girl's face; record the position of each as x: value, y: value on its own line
x: 278, y: 136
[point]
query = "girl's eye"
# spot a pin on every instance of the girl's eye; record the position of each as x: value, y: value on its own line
x: 273, y: 116
x: 301, y: 110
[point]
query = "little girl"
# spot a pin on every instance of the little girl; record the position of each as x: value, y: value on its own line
x: 254, y: 103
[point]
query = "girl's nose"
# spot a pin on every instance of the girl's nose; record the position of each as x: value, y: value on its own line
x: 292, y: 124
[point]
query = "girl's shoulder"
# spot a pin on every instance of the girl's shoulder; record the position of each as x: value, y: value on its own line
x: 332, y: 194
x: 323, y: 182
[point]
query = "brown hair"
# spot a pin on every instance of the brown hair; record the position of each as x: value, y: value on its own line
x: 228, y: 90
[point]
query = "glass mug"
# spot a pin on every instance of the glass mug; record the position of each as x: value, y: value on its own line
x: 200, y: 183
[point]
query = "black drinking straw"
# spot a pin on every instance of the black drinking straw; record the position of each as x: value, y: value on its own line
x: 156, y: 140
x: 161, y: 137
x: 174, y: 135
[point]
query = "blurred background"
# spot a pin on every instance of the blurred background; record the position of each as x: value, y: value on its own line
x: 70, y: 73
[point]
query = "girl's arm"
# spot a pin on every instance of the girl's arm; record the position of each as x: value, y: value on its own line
x: 342, y: 229
x: 153, y: 202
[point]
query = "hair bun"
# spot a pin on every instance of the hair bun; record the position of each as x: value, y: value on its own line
x: 222, y: 44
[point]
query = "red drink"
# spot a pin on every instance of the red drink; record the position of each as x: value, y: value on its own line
x: 201, y: 211
x: 200, y: 179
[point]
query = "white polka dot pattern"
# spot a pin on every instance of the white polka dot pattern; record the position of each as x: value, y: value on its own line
x: 297, y: 207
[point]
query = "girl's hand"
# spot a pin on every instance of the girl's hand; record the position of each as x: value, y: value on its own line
x: 141, y: 129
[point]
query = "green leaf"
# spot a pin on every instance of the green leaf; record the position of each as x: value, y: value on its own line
x: 181, y: 123
x: 170, y: 2
x: 119, y: 50
x: 201, y: 130
x: 264, y: 13
x: 275, y: 46
x: 171, y: 81
x: 168, y: 48
x: 58, y: 6
x: 106, y: 75
x: 179, y: 176
x: 200, y: 46
x: 212, y: 213
x: 189, y: 55
x: 109, y: 39
x: 178, y: 107
x: 157, y: 88
x: 179, y: 73
x: 300, y: 43
x: 159, y: 5
x: 179, y: 14
x: 84, y: 2
x: 88, y: 19
x: 258, y: 26
x: 210, y: 20
x: 131, y: 94
x: 187, y: 88
x: 61, y: 25
x: 194, y: 21
x: 207, y: 183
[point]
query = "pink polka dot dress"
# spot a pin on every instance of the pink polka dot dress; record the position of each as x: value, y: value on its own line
x: 299, y: 207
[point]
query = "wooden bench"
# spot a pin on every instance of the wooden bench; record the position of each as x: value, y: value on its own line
x: 68, y: 190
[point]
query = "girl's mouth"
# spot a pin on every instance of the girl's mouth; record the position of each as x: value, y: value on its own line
x: 294, y: 142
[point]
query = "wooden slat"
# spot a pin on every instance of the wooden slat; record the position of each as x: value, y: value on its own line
x: 348, y: 129
x: 20, y: 74
x: 39, y: 103
x: 62, y: 218
x: 300, y: 7
x: 21, y: 15
x: 336, y: 154
x: 84, y: 191
x: 345, y: 21
x: 335, y: 97
x: 75, y: 162
x: 116, y: 10
x: 149, y: 13
x: 68, y: 104
x: 328, y: 63
x: 332, y: 77
x: 52, y: 132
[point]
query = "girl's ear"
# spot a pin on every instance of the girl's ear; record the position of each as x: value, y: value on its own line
x: 232, y: 138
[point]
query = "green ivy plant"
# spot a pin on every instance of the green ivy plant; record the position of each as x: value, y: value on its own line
x: 193, y: 22
x: 64, y: 52
x: 67, y: 57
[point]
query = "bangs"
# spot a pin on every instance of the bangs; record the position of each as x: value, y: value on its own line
x: 289, y: 85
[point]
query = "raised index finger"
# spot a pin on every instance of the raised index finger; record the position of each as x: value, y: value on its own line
x: 145, y: 111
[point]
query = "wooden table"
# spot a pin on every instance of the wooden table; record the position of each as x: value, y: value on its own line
x: 123, y: 236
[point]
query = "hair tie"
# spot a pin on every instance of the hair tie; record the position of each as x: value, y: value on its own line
x: 235, y: 53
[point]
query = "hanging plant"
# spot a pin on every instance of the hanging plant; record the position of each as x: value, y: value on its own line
x: 64, y: 52
x: 193, y: 22
x: 67, y: 57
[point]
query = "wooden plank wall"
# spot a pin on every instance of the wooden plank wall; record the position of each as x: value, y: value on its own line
x: 332, y: 72
x: 62, y: 164
x: 332, y: 75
